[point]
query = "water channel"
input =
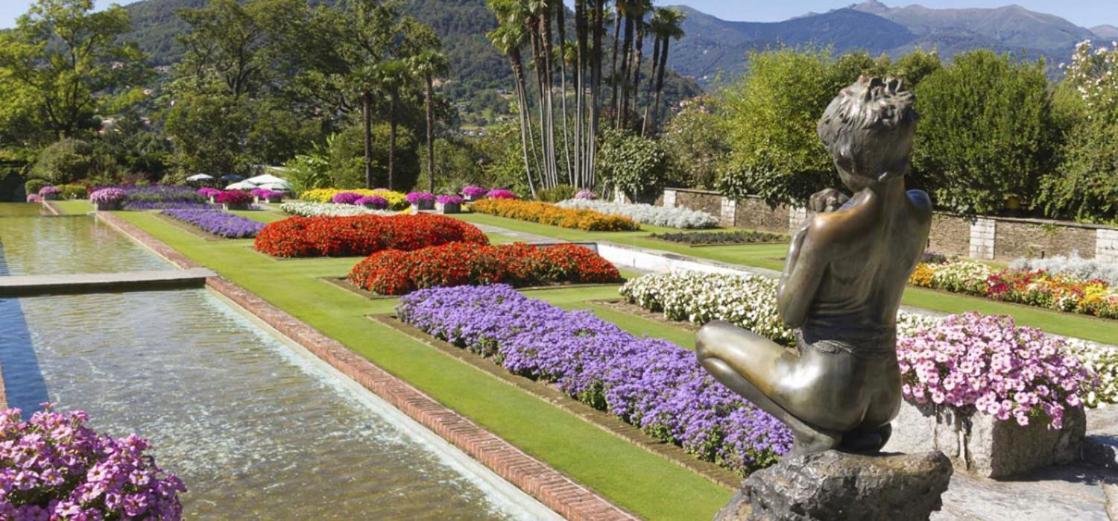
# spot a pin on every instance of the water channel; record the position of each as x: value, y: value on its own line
x: 256, y: 428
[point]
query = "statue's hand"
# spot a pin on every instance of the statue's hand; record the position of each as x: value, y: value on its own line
x: 827, y: 200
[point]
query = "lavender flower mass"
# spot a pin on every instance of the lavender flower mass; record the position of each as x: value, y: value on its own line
x: 217, y: 222
x: 647, y: 382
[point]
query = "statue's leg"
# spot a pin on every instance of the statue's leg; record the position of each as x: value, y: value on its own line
x: 746, y: 363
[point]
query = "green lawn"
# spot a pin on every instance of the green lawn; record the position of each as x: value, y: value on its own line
x: 640, y: 481
x: 73, y: 207
x: 771, y: 256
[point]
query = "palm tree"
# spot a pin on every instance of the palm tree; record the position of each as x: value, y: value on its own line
x: 666, y: 25
x: 508, y: 37
x: 427, y: 65
x: 393, y: 75
x: 639, y: 9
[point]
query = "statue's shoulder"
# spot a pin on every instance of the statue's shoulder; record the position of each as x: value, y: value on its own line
x: 855, y: 218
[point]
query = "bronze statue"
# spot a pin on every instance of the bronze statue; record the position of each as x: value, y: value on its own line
x: 842, y: 283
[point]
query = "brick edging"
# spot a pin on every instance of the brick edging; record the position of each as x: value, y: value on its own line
x: 51, y: 208
x: 537, y: 479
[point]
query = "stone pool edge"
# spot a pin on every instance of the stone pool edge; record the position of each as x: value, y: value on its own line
x: 539, y: 480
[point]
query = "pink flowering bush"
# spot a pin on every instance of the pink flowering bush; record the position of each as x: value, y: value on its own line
x: 501, y: 193
x: 988, y: 364
x: 375, y: 202
x: 474, y: 191
x: 54, y: 467
x: 345, y: 198
x: 587, y: 195
x: 208, y: 192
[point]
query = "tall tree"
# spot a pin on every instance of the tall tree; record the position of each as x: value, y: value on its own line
x: 508, y: 38
x: 666, y: 25
x: 69, y: 63
x: 428, y: 65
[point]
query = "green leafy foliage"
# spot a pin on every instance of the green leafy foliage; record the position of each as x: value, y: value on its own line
x: 695, y: 144
x: 556, y: 194
x: 32, y: 186
x: 635, y: 165
x: 65, y: 161
x: 986, y: 132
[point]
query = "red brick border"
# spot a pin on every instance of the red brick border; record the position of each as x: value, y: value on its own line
x: 547, y: 485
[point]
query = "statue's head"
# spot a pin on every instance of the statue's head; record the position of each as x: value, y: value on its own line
x: 868, y: 129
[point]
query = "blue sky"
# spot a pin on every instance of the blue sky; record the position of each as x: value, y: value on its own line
x: 1087, y: 13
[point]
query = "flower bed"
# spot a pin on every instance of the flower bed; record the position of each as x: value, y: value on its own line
x: 374, y: 202
x: 396, y: 200
x: 361, y: 235
x: 545, y: 213
x: 1072, y: 267
x: 55, y: 467
x: 307, y: 209
x: 501, y: 193
x: 646, y: 213
x: 107, y: 198
x: 395, y: 272
x: 1033, y: 287
x: 217, y: 222
x: 720, y: 238
x: 264, y: 194
x: 749, y: 302
x: 234, y: 199
x: 158, y: 197
x: 988, y: 364
x: 50, y: 193
x: 650, y: 383
x: 472, y: 192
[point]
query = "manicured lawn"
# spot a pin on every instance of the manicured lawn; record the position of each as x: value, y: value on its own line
x: 772, y: 257
x: 73, y: 207
x: 635, y: 479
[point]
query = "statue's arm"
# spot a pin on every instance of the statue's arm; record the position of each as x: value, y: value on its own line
x: 803, y: 272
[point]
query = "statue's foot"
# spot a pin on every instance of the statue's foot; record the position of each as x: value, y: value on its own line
x: 867, y: 441
x: 808, y: 440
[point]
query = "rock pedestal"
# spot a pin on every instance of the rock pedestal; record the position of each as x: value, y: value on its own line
x: 836, y: 486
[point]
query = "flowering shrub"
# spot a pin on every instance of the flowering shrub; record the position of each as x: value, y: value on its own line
x: 649, y: 383
x: 1032, y: 287
x: 361, y: 235
x: 375, y: 202
x: 501, y: 193
x: 271, y: 196
x: 345, y: 198
x: 1072, y: 266
x: 647, y: 214
x: 208, y: 192
x: 749, y: 302
x: 396, y: 200
x: 586, y: 195
x: 158, y: 197
x: 417, y: 197
x: 394, y: 272
x: 474, y: 192
x: 545, y: 213
x: 50, y: 193
x: 217, y: 222
x: 34, y: 198
x: 233, y: 198
x: 989, y: 364
x: 55, y: 467
x: 449, y: 199
x: 107, y: 196
x: 307, y: 209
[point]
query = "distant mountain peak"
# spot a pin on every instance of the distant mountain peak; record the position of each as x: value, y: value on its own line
x: 871, y: 6
x: 1107, y: 32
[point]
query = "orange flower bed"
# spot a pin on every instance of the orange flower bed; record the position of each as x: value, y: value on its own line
x: 394, y: 272
x: 362, y: 234
x: 545, y: 213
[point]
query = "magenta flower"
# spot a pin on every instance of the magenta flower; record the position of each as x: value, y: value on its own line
x: 375, y: 202
x: 474, y: 192
x: 501, y: 193
x: 346, y: 198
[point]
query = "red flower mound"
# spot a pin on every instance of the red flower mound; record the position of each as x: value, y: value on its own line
x: 394, y: 272
x: 362, y: 235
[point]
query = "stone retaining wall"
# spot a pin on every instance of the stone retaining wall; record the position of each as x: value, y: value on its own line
x: 988, y: 238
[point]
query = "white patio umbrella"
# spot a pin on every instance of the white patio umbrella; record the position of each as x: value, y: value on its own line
x: 265, y: 179
x: 200, y: 177
x: 279, y: 187
x: 241, y: 185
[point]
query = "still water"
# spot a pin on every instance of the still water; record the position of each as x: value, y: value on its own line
x: 254, y: 428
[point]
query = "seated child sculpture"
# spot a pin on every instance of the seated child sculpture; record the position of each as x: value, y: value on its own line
x: 841, y: 287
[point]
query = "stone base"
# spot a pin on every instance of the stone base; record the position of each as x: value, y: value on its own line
x: 982, y: 446
x: 448, y: 208
x: 837, y: 486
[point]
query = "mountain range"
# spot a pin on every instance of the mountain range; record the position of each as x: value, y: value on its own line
x: 713, y: 48
x: 716, y: 48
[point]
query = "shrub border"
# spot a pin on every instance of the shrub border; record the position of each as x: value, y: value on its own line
x: 539, y: 480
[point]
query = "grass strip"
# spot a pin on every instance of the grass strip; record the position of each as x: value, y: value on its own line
x: 635, y: 479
